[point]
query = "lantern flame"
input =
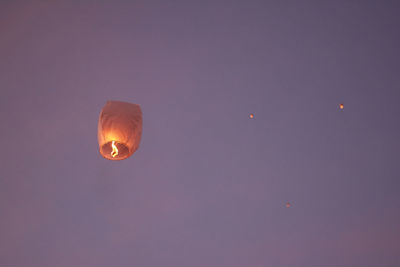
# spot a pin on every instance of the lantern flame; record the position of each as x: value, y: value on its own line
x: 114, y: 151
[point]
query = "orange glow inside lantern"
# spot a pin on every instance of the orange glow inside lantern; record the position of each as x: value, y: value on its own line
x: 251, y: 116
x: 341, y: 106
x: 119, y: 130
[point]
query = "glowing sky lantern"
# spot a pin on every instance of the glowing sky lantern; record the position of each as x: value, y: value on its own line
x: 341, y: 106
x: 288, y: 205
x: 119, y: 130
x: 251, y: 116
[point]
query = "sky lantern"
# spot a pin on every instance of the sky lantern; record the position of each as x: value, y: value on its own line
x: 251, y: 116
x: 288, y: 205
x: 119, y: 130
x: 341, y: 106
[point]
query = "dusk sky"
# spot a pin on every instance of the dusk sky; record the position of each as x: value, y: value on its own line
x: 208, y: 186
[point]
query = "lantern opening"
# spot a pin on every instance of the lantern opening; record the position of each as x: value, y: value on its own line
x: 114, y: 150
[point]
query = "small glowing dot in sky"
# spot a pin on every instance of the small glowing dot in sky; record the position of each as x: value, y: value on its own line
x: 251, y: 116
x: 341, y: 106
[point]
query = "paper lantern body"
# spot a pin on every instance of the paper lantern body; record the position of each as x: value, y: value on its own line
x: 119, y: 130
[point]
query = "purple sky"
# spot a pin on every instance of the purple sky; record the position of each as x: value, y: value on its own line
x: 208, y: 186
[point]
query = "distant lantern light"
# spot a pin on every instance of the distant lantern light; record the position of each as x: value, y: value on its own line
x: 251, y: 116
x: 341, y: 106
x: 119, y: 130
x: 288, y: 205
